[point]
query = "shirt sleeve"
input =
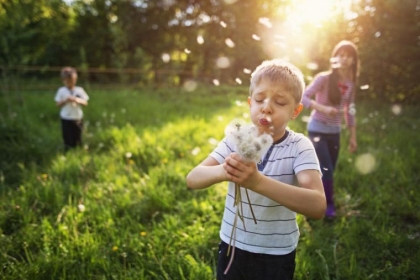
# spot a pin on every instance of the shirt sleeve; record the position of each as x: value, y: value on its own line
x: 313, y: 88
x: 58, y: 96
x: 81, y: 93
x: 222, y: 150
x: 306, y: 157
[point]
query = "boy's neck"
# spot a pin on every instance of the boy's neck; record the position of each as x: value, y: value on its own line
x: 281, y: 139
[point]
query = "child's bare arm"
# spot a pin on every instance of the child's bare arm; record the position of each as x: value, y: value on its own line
x: 207, y: 173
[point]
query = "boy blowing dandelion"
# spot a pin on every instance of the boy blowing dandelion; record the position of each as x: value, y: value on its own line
x: 281, y: 182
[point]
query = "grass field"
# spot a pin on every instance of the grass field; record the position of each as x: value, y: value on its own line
x: 119, y: 208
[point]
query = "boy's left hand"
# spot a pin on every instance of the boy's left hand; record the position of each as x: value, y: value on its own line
x: 242, y: 172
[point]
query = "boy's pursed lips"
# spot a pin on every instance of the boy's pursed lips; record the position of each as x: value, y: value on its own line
x: 264, y: 122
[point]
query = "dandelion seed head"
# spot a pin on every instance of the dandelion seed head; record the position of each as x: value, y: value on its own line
x: 250, y: 144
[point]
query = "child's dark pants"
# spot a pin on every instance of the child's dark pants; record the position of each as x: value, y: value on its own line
x: 247, y: 265
x: 72, y: 133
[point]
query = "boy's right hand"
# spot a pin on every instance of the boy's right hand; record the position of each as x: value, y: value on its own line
x: 244, y: 173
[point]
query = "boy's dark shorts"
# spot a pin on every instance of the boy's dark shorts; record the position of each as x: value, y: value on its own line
x: 247, y: 265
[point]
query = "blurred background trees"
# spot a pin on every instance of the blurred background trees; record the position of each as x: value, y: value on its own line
x: 161, y: 42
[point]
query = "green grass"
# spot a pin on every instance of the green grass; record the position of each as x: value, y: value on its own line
x: 141, y: 222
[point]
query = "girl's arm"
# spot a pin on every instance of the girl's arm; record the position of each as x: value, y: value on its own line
x: 317, y: 87
x: 207, y: 173
x: 308, y: 199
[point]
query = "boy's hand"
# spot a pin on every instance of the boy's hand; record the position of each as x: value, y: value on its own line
x: 244, y: 173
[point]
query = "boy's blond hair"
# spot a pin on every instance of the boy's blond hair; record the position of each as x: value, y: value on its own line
x: 281, y: 72
x: 68, y: 72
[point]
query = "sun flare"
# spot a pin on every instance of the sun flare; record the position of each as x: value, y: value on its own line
x: 315, y: 12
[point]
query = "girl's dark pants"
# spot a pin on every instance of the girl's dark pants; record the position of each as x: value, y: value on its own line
x: 327, y: 147
x: 72, y: 133
x: 247, y: 265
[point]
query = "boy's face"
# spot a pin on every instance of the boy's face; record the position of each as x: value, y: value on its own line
x: 70, y: 82
x: 272, y: 107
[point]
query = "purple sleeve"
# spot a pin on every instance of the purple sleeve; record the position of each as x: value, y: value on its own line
x: 312, y: 89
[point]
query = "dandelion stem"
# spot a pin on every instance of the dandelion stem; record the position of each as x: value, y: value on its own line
x: 250, y: 206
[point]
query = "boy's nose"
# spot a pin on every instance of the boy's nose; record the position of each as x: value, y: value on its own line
x: 266, y: 107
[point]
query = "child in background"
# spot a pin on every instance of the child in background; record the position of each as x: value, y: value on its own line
x: 70, y: 99
x: 286, y: 181
x: 331, y: 96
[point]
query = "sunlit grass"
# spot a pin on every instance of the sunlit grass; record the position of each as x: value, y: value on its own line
x: 119, y: 207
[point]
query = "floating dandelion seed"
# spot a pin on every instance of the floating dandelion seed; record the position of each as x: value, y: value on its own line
x: 298, y: 50
x: 334, y: 62
x: 256, y: 37
x: 187, y: 51
x: 213, y: 141
x: 396, y: 109
x: 128, y: 155
x: 223, y: 24
x: 305, y: 119
x: 190, y: 85
x: 200, y: 39
x: 223, y: 62
x: 377, y: 34
x: 166, y: 58
x: 229, y: 43
x: 195, y: 151
x: 238, y: 103
x: 317, y: 139
x: 216, y: 82
x: 247, y: 71
x: 365, y: 163
x: 364, y: 87
x: 239, y: 81
x: 266, y: 22
x: 312, y: 66
x: 352, y: 109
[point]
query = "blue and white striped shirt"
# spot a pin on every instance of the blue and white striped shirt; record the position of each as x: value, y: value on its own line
x: 276, y: 231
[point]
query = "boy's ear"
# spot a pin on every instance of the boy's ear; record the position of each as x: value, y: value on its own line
x: 297, y: 111
x: 249, y: 101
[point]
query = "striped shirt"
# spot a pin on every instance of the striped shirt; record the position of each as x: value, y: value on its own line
x: 276, y: 231
x: 319, y: 89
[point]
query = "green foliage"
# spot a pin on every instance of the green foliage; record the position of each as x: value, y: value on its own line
x: 118, y: 208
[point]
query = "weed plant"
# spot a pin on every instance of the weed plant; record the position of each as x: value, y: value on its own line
x: 119, y: 208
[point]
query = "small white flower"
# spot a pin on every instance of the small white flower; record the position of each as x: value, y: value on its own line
x: 81, y: 208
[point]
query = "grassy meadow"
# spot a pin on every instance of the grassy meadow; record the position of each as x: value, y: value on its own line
x: 119, y: 208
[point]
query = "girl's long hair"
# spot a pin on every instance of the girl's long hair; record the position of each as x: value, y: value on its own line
x: 334, y: 93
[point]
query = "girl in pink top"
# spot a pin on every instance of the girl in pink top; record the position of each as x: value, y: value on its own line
x: 331, y: 97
